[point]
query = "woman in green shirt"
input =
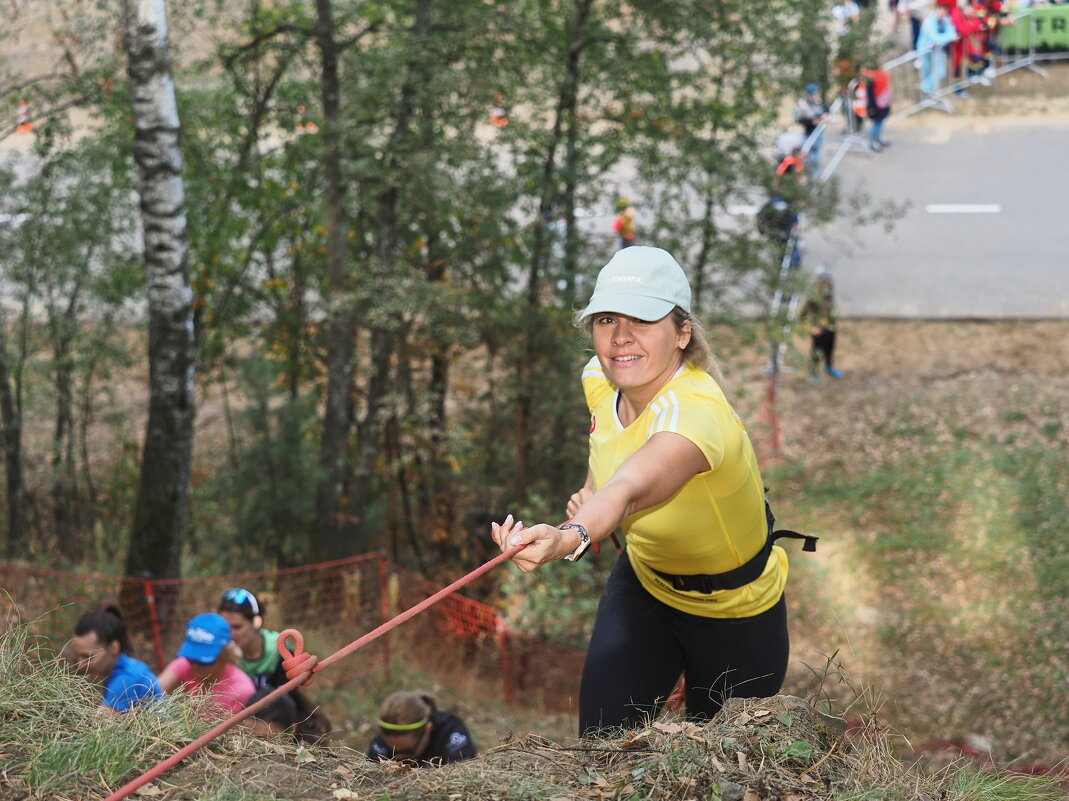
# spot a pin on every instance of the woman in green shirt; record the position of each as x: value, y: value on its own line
x: 262, y: 661
x: 259, y: 646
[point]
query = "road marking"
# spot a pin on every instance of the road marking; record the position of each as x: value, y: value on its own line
x: 963, y: 208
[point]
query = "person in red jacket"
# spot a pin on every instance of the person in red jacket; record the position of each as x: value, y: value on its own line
x: 877, y: 104
x: 968, y: 52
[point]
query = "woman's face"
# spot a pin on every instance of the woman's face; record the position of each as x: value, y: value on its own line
x: 242, y: 631
x: 636, y: 354
x: 409, y: 744
x: 93, y: 657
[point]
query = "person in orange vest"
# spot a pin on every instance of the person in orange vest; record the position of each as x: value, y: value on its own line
x: 499, y: 118
x: 793, y: 162
x: 23, y: 117
x: 861, y: 103
x: 624, y: 222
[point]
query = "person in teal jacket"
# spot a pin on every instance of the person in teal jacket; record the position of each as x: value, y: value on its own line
x: 937, y: 31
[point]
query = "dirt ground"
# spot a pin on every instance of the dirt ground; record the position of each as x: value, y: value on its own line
x: 891, y: 363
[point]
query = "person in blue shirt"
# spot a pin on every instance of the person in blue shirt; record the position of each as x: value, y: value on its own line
x: 100, y: 648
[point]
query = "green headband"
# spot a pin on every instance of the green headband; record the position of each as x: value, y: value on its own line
x: 419, y: 724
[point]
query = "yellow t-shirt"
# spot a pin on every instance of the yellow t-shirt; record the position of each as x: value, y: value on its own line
x: 716, y: 521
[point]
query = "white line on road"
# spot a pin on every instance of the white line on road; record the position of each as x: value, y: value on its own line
x: 963, y: 208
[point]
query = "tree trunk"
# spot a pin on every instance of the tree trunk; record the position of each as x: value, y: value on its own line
x: 64, y: 483
x: 10, y: 419
x: 162, y: 509
x: 341, y: 324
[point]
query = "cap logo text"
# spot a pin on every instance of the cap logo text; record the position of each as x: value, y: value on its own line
x: 200, y: 635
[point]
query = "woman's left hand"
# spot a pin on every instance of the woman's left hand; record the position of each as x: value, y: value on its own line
x: 545, y: 543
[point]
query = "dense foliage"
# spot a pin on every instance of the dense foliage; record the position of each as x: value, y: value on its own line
x: 383, y: 281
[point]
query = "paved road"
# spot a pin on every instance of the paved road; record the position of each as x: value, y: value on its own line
x: 1010, y: 264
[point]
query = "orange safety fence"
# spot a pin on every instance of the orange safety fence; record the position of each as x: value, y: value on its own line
x: 459, y: 641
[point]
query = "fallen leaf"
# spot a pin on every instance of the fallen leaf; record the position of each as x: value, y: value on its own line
x: 742, y: 759
x: 743, y: 718
x: 695, y: 733
x: 150, y: 790
x: 668, y: 728
x: 343, y: 793
x: 760, y: 713
x: 347, y: 774
x: 303, y: 756
x: 716, y: 763
x: 750, y: 795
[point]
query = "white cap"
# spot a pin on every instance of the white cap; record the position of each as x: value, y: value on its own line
x: 642, y: 282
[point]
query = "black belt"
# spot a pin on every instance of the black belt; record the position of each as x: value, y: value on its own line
x: 743, y: 574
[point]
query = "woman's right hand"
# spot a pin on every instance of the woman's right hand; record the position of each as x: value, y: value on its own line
x: 545, y: 543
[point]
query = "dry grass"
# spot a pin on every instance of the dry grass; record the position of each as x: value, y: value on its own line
x: 56, y: 745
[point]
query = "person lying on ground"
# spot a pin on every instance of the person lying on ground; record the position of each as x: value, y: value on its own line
x: 411, y: 729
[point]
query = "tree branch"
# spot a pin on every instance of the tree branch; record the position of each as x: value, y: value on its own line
x: 253, y: 44
x: 8, y: 130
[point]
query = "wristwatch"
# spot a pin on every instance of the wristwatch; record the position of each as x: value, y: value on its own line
x: 584, y: 541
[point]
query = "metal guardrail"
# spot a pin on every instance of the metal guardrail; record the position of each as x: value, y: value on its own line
x: 908, y: 98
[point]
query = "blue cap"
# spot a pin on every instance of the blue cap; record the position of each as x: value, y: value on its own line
x: 812, y: 88
x: 206, y: 636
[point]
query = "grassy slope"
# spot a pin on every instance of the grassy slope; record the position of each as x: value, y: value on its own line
x: 55, y: 745
x: 937, y: 473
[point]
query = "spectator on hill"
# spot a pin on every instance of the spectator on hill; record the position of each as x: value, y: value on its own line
x: 937, y: 31
x: 821, y: 316
x: 810, y: 112
x: 877, y: 104
x: 624, y: 222
x: 967, y: 49
x: 699, y: 586
x: 917, y: 11
x: 859, y: 106
x: 101, y: 649
x: 844, y: 16
x: 259, y: 657
x: 204, y: 665
x: 411, y: 729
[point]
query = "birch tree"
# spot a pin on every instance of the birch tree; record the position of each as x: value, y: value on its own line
x: 161, y: 513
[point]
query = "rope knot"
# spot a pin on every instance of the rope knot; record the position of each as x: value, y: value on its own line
x: 298, y: 662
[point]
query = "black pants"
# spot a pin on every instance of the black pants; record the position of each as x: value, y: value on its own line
x: 640, y: 646
x: 823, y: 345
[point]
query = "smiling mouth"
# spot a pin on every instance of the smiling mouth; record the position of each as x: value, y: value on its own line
x: 625, y: 358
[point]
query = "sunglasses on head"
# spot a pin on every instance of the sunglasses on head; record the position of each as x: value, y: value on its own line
x: 242, y: 598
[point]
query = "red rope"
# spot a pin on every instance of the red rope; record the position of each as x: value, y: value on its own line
x: 301, y: 668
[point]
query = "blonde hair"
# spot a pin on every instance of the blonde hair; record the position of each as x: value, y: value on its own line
x: 698, y: 351
x: 403, y: 708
